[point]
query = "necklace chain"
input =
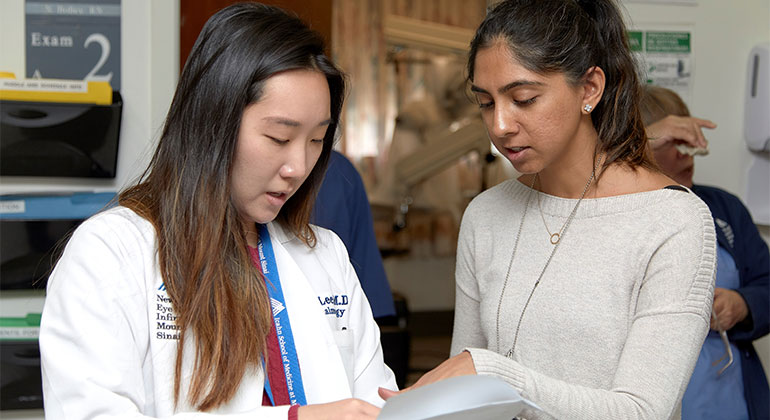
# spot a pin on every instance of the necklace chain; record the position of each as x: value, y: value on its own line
x: 559, y: 234
x: 556, y: 236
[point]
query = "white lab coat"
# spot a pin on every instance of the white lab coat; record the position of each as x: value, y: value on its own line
x: 107, y: 337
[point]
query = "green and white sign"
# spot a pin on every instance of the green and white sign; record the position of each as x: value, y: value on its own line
x: 665, y: 57
x: 20, y: 329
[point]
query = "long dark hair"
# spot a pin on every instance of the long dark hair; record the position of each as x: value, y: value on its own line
x: 185, y: 192
x: 570, y: 37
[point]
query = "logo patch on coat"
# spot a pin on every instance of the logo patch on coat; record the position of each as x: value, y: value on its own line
x: 727, y: 230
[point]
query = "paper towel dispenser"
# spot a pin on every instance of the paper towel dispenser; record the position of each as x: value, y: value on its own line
x: 56, y: 139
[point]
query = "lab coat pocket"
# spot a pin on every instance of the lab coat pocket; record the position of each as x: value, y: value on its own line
x: 343, y: 339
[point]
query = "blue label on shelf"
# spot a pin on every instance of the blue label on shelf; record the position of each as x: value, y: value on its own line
x: 47, y: 207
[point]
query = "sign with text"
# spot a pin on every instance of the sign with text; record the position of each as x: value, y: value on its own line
x: 666, y: 56
x: 73, y: 39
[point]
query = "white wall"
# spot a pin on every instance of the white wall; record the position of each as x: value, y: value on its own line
x: 149, y: 70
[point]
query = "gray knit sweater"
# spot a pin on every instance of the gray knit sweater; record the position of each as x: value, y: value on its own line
x: 614, y: 329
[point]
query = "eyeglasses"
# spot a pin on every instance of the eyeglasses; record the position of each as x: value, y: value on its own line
x: 726, y: 342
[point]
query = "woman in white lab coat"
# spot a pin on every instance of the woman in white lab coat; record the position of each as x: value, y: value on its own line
x: 206, y: 290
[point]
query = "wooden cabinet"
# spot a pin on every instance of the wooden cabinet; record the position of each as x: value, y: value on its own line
x: 195, y: 13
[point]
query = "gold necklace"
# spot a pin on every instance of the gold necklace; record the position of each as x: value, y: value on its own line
x: 509, y: 354
x: 556, y: 236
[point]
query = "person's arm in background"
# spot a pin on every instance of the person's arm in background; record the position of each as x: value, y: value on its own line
x: 677, y: 128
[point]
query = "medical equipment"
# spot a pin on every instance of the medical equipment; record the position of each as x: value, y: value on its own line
x: 728, y: 352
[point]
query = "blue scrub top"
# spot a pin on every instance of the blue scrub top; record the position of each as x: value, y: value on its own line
x: 343, y: 207
x: 709, y: 396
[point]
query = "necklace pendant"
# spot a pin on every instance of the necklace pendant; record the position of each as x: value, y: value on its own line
x: 555, y: 238
x: 509, y: 354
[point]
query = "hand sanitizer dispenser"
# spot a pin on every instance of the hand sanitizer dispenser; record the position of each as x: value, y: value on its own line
x: 756, y: 124
x: 756, y: 129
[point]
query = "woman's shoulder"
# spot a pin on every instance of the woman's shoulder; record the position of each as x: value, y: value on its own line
x: 117, y: 225
x: 673, y: 214
x: 650, y: 190
x: 621, y: 179
x: 117, y: 217
x: 108, y: 248
x: 327, y: 239
x: 673, y: 207
x: 681, y: 209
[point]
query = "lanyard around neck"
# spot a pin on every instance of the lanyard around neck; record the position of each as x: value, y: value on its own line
x: 289, y: 359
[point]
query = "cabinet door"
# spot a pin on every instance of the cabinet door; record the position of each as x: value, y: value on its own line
x: 194, y: 14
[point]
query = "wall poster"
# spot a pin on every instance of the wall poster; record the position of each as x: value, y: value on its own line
x: 666, y: 58
x: 73, y: 39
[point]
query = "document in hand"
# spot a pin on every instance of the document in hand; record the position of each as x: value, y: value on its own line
x: 458, y: 398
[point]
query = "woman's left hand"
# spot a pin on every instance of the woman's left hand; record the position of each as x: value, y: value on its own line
x: 460, y: 365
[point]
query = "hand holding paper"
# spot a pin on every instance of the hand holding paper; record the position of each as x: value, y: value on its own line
x: 685, y: 130
x: 459, y: 365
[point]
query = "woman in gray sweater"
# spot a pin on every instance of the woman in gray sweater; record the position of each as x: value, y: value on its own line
x: 586, y: 283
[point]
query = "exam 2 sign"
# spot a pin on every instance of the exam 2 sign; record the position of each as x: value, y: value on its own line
x: 73, y: 39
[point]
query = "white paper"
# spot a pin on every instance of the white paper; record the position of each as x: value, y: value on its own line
x: 458, y: 398
x: 692, y: 151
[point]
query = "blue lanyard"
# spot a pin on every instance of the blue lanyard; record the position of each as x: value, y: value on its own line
x: 289, y: 358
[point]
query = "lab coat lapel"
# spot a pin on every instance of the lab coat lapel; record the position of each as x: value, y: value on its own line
x: 323, y: 373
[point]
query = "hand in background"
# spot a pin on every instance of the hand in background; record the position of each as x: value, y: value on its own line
x: 348, y: 409
x: 676, y: 128
x: 460, y: 365
x: 729, y: 307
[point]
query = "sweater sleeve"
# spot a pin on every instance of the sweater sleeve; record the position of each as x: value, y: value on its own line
x: 667, y: 329
x: 467, y: 302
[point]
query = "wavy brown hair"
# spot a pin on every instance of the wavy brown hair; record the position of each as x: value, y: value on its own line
x: 219, y: 297
x: 571, y: 37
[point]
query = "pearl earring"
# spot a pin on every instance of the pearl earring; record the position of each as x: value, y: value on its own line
x: 588, y: 107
